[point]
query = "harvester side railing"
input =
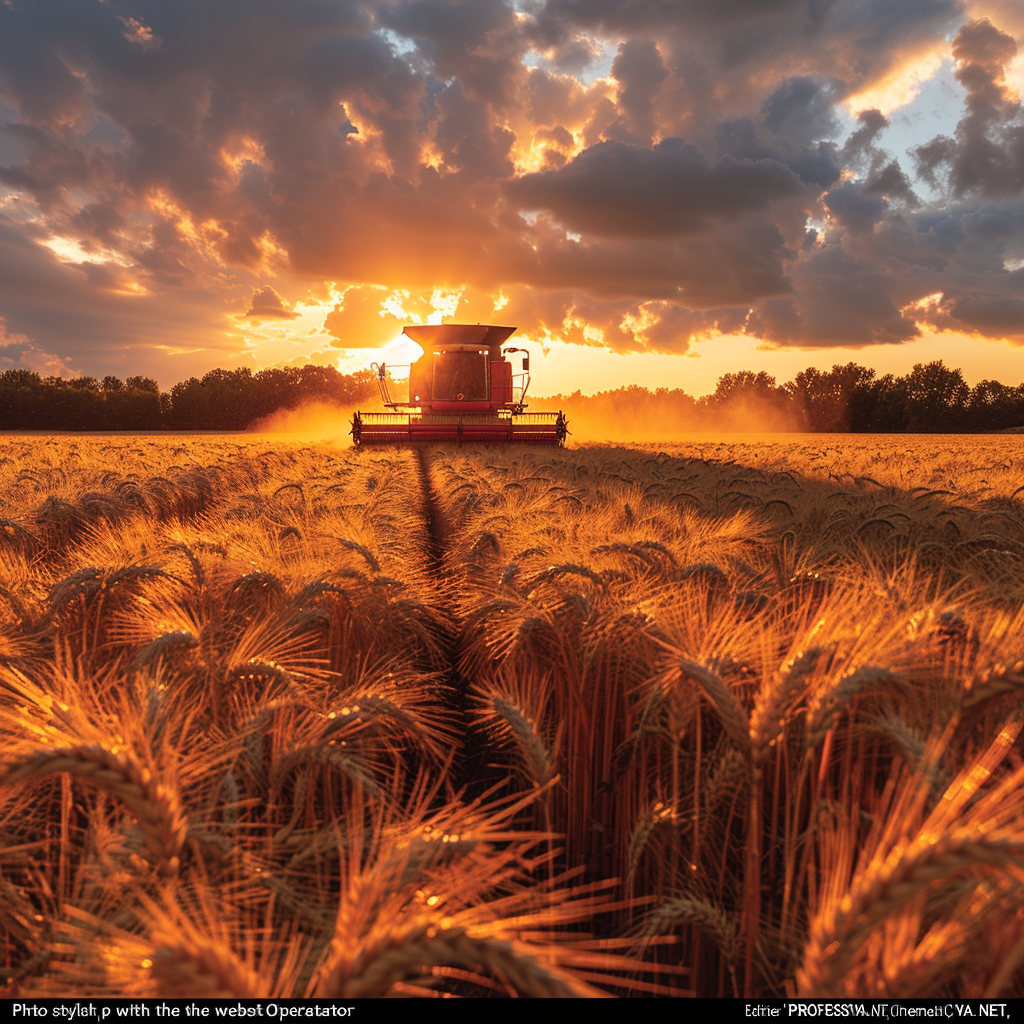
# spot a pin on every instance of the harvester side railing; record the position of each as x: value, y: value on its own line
x: 386, y: 377
x: 520, y: 383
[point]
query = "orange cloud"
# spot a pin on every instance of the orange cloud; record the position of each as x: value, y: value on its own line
x: 267, y: 304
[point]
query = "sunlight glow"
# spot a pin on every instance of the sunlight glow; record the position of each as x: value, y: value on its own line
x: 369, y: 136
x: 445, y: 302
x: 273, y: 256
x: 205, y: 237
x: 70, y: 250
x: 129, y: 286
x: 400, y: 351
x: 925, y: 304
x: 242, y: 151
x: 139, y: 33
x: 818, y: 226
x: 1014, y: 79
x: 638, y: 325
x: 432, y: 157
x: 901, y: 86
x: 530, y: 154
x: 393, y: 305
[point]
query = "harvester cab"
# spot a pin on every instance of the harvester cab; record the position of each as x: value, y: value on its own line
x: 462, y: 388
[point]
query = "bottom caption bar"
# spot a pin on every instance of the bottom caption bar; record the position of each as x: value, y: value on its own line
x: 85, y: 1009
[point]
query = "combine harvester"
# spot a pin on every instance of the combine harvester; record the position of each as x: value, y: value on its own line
x: 461, y: 389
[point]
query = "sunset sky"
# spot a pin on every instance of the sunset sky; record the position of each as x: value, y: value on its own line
x: 653, y: 191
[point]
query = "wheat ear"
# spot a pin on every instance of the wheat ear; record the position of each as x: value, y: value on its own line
x: 884, y: 887
x: 701, y: 914
x: 206, y: 971
x: 155, y: 803
x: 374, y: 972
x: 535, y: 754
x: 768, y: 716
x: 730, y: 712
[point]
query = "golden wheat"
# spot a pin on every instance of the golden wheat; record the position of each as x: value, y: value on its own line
x: 386, y: 718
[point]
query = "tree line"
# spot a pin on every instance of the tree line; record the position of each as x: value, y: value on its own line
x: 932, y: 398
x: 850, y: 398
x: 221, y: 400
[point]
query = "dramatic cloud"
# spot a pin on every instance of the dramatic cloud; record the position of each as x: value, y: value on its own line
x: 190, y: 183
x: 267, y: 304
x: 987, y: 155
x: 615, y: 189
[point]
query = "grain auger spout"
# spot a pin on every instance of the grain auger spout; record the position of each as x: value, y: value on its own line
x: 461, y: 389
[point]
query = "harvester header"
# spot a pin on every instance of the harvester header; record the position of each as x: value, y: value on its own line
x: 462, y: 388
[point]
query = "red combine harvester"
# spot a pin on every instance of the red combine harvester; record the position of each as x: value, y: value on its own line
x: 461, y: 389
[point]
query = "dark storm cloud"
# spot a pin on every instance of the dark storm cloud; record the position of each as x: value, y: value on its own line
x: 575, y: 55
x: 170, y: 165
x: 476, y: 41
x: 852, y: 40
x: 859, y: 206
x: 887, y: 271
x: 675, y: 327
x: 862, y: 142
x: 616, y: 189
x: 838, y: 300
x: 625, y: 15
x: 889, y: 181
x: 728, y: 267
x: 854, y: 208
x: 801, y: 109
x: 53, y: 165
x: 990, y: 314
x: 892, y: 262
x: 816, y: 164
x: 640, y: 72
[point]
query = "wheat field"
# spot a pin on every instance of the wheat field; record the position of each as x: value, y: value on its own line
x: 714, y: 718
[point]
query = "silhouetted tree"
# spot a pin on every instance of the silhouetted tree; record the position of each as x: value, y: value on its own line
x: 232, y: 399
x: 931, y: 397
x: 880, y: 406
x: 824, y: 401
x: 992, y: 406
x: 936, y: 397
x: 746, y: 385
x: 750, y: 401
